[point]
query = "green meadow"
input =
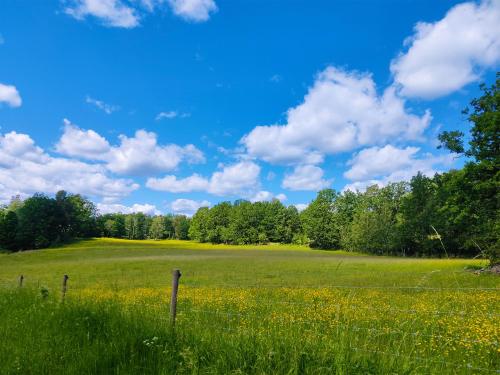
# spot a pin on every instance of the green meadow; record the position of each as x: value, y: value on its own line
x: 244, y: 309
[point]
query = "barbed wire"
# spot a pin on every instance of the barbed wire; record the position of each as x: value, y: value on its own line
x: 327, y: 286
x: 315, y: 304
x: 242, y: 285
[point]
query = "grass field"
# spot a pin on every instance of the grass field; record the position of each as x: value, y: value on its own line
x: 263, y: 310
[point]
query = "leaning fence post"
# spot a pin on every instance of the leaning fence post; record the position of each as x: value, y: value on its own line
x: 21, y: 278
x: 176, y: 274
x: 64, y: 286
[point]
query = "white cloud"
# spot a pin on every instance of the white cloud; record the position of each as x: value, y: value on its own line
x: 193, y: 10
x: 306, y: 177
x: 110, y: 208
x: 106, y: 108
x: 187, y: 206
x: 138, y: 155
x: 342, y: 111
x: 382, y: 165
x: 237, y: 179
x: 266, y: 196
x: 150, y: 5
x: 171, y: 115
x: 128, y: 13
x: 10, y: 95
x: 84, y: 143
x: 25, y: 169
x: 377, y: 161
x: 113, y: 13
x: 444, y: 56
x: 141, y: 154
x: 183, y: 185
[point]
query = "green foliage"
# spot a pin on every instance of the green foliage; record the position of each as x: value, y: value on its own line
x: 320, y: 221
x: 78, y: 215
x: 8, y: 230
x: 374, y: 225
x: 473, y: 197
x: 452, y: 140
x: 246, y: 223
x: 419, y: 210
x: 40, y: 222
x: 157, y: 230
x: 181, y: 227
x: 199, y: 225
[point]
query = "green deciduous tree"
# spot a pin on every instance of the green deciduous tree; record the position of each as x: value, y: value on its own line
x: 477, y: 200
x: 319, y: 221
x: 8, y: 230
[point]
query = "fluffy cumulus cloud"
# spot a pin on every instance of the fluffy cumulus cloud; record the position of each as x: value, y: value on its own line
x: 10, y: 95
x: 114, y: 13
x: 444, y: 56
x: 341, y: 112
x: 306, y: 177
x: 382, y: 165
x: 137, y: 155
x: 141, y: 155
x: 378, y: 161
x: 81, y: 143
x: 25, y: 169
x: 109, y: 208
x: 193, y: 10
x: 237, y: 179
x: 187, y: 206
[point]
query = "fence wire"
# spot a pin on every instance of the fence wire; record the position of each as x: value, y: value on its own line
x: 187, y: 310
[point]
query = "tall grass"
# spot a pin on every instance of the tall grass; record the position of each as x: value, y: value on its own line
x: 231, y: 331
x: 274, y: 311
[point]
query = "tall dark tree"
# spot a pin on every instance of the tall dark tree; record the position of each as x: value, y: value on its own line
x: 8, y: 230
x: 480, y: 202
x: 40, y: 222
x: 419, y: 214
x: 78, y: 215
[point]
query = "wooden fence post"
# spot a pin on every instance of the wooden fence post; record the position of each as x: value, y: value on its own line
x: 176, y: 274
x: 64, y: 286
x: 21, y: 278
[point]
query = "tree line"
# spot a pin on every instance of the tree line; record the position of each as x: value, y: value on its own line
x: 40, y: 221
x: 455, y: 213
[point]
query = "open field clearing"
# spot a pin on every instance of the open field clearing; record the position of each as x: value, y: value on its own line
x: 260, y: 309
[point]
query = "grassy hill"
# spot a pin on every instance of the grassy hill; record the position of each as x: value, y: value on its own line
x: 244, y: 309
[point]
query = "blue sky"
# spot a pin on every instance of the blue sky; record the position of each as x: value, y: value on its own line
x: 166, y: 105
